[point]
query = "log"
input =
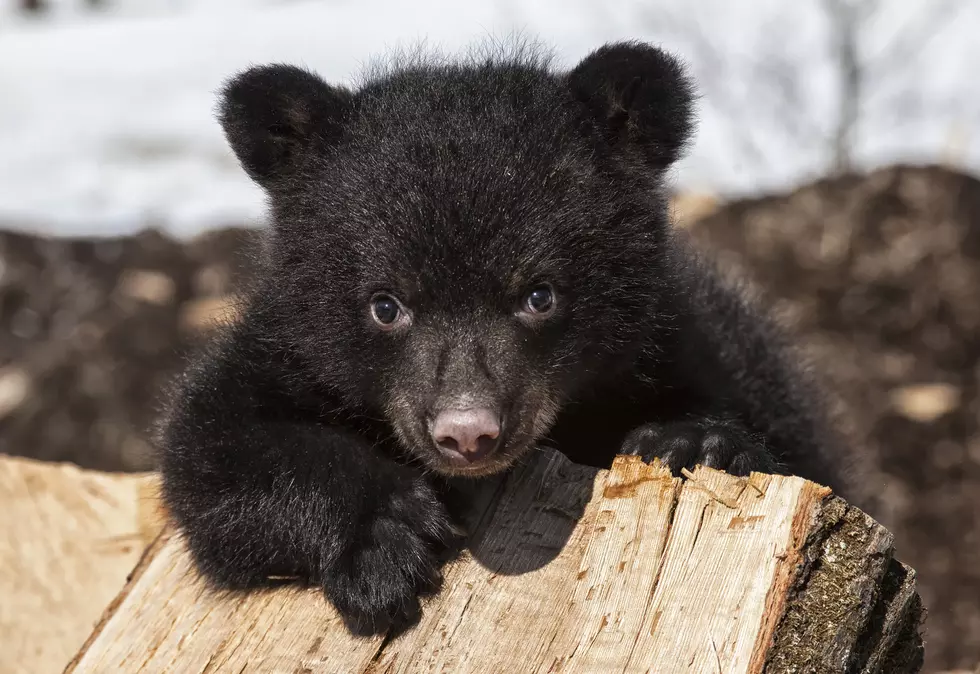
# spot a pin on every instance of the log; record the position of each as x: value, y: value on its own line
x: 68, y: 539
x: 571, y: 569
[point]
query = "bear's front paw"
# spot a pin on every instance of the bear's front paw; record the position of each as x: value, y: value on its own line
x: 715, y: 443
x: 394, y: 560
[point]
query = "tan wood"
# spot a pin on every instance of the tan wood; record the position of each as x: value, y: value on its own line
x: 571, y: 569
x: 68, y: 540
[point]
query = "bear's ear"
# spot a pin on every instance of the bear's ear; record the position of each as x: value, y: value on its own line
x: 637, y: 95
x: 271, y: 115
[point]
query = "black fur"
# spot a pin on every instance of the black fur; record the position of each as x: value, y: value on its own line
x: 298, y: 446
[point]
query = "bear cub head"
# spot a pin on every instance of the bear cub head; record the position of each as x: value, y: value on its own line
x: 460, y: 247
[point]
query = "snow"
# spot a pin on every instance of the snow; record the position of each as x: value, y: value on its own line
x: 106, y: 118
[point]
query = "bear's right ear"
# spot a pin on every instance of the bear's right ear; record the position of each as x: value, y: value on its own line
x: 637, y: 96
x: 271, y: 114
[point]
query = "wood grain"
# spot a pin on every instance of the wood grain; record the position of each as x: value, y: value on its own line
x: 569, y: 569
x: 68, y: 539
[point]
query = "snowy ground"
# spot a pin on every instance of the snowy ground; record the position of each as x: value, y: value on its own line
x: 106, y: 119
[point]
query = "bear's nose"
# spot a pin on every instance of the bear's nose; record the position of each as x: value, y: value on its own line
x: 471, y: 433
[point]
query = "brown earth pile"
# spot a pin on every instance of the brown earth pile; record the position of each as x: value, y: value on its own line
x: 90, y: 330
x: 877, y: 274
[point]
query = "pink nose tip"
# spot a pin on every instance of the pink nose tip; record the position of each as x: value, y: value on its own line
x: 471, y: 433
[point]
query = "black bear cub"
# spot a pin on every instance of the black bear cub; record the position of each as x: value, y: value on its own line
x: 467, y: 259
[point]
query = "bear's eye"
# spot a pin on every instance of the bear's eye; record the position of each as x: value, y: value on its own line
x: 386, y: 311
x: 540, y: 301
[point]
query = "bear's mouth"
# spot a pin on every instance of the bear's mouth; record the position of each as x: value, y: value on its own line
x: 454, y: 465
x: 515, y: 443
x: 523, y: 424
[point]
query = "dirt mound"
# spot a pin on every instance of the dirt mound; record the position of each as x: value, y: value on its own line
x: 91, y: 329
x: 879, y: 275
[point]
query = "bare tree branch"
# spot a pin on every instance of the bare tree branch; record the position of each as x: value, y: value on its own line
x: 763, y: 95
x: 918, y: 34
x: 846, y: 18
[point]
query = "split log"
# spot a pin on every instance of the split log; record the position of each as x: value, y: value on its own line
x: 572, y: 569
x: 68, y: 540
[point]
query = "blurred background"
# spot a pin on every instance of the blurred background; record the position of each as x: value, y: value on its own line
x: 835, y: 167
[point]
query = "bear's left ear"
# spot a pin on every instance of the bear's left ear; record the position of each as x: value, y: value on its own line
x: 637, y: 95
x: 272, y: 115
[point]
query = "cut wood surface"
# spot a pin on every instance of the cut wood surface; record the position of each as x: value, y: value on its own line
x: 68, y: 540
x: 571, y: 569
